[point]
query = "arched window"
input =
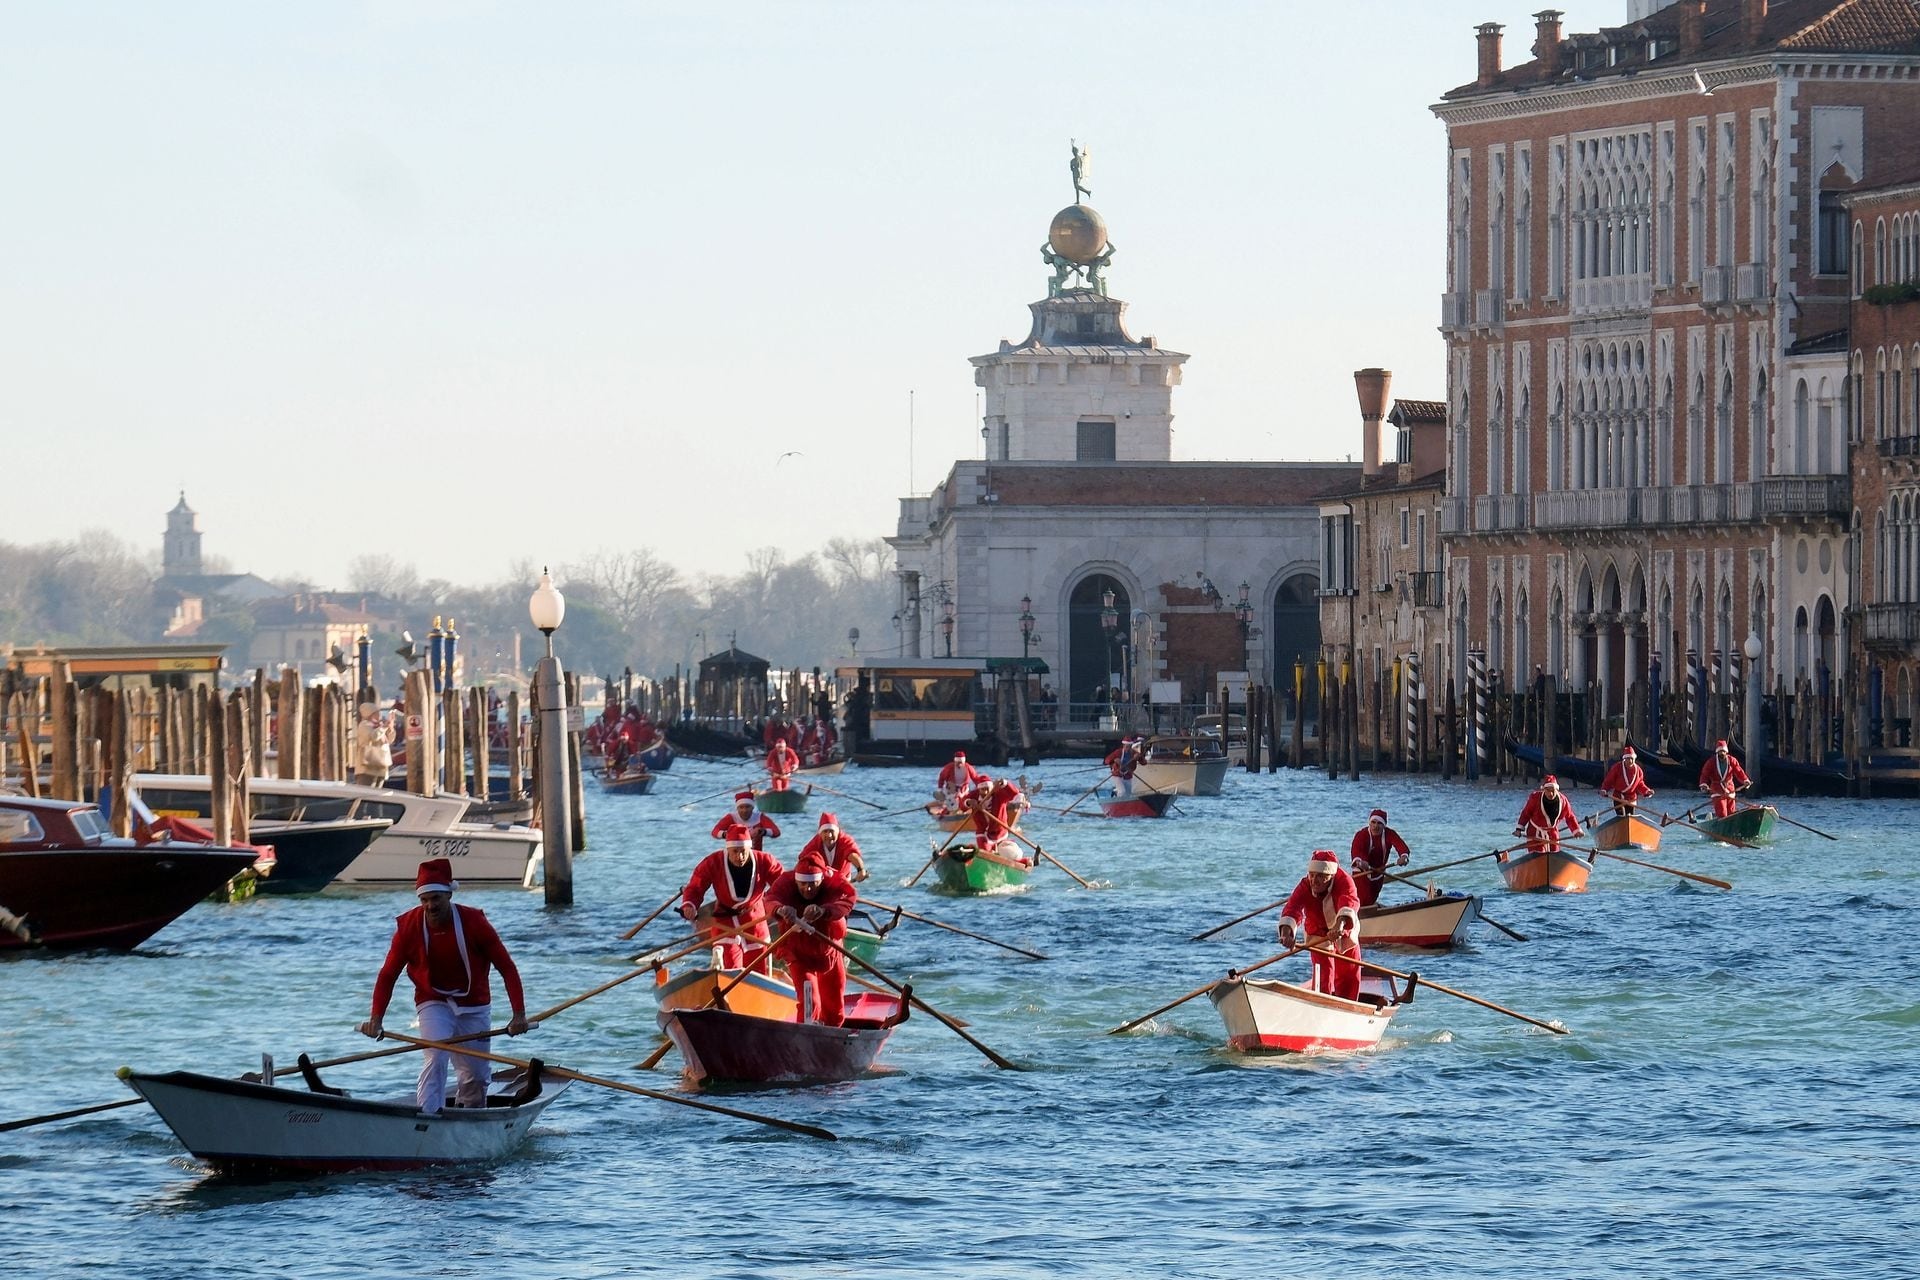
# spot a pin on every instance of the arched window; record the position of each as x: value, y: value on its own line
x: 1522, y: 659
x: 1496, y: 633
x: 1758, y: 429
x: 1800, y: 453
x: 1800, y: 643
x: 1880, y: 252
x: 1723, y: 434
x: 1557, y: 635
x: 1697, y: 432
x: 1880, y: 567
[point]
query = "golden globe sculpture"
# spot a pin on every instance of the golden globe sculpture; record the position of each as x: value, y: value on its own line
x: 1078, y: 234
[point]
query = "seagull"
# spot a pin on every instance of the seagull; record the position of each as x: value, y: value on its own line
x: 791, y: 453
x: 1701, y: 85
x: 337, y: 659
x: 406, y: 650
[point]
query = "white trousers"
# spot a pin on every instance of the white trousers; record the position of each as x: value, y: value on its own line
x: 443, y: 1020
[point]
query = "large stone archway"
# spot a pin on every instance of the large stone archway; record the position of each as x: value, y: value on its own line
x: 1095, y: 652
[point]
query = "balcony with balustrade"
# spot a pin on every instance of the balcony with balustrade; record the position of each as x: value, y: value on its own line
x: 1892, y: 627
x: 1428, y: 589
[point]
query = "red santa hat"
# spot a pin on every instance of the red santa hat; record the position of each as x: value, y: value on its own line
x: 1377, y: 813
x: 1550, y: 781
x: 811, y: 869
x: 1626, y: 752
x: 435, y: 876
x: 746, y: 795
x: 829, y: 823
x: 1323, y: 861
x: 959, y: 755
x: 1720, y: 745
x: 737, y: 834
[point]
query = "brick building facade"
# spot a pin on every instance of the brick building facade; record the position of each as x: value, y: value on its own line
x: 1645, y: 234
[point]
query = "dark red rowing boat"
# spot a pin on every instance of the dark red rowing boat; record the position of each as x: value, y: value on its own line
x: 1152, y: 804
x: 718, y: 1045
x: 65, y: 882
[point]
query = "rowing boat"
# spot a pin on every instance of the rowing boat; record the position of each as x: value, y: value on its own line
x: 759, y: 994
x: 1434, y: 924
x: 1262, y: 1014
x: 721, y: 1045
x: 1151, y: 805
x: 1751, y: 825
x: 966, y: 870
x: 1627, y: 831
x: 787, y: 800
x: 633, y: 783
x: 1550, y: 871
x: 260, y: 1128
x: 824, y: 769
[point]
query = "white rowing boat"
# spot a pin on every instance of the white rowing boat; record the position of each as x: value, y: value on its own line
x: 1262, y: 1014
x: 1435, y: 923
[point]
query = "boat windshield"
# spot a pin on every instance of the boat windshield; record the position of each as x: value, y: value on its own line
x: 19, y: 828
x: 923, y: 693
x: 88, y: 823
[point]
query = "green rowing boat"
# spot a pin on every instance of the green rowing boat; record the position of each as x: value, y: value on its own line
x: 789, y: 801
x: 1753, y: 824
x: 963, y: 870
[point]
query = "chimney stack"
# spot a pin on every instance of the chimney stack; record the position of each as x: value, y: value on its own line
x: 1488, y: 33
x: 1372, y: 384
x: 1546, y: 42
x: 1753, y: 20
x: 1693, y: 25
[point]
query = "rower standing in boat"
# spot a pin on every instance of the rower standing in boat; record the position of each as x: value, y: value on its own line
x: 1374, y: 845
x: 997, y: 807
x: 1722, y: 778
x: 1626, y: 783
x: 1545, y: 812
x: 759, y: 826
x: 738, y: 876
x: 836, y: 848
x: 447, y: 951
x: 1123, y: 761
x: 956, y: 782
x: 812, y: 893
x: 1325, y: 907
x: 782, y: 760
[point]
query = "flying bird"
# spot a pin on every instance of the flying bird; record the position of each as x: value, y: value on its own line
x: 1701, y: 85
x: 337, y: 659
x: 791, y: 453
x: 406, y: 650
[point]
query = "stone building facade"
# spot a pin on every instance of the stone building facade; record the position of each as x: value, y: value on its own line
x: 1646, y: 234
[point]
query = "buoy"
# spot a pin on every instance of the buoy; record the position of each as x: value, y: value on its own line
x: 123, y: 1073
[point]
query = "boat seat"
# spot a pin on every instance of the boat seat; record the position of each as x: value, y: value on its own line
x: 311, y: 1075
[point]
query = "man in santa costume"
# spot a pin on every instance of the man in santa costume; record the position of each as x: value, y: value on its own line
x: 782, y: 760
x: 1324, y: 909
x: 956, y: 781
x: 738, y: 876
x: 836, y: 848
x: 811, y: 903
x: 1122, y: 761
x: 760, y: 828
x: 997, y: 807
x: 1541, y: 818
x: 1722, y: 778
x: 1374, y: 845
x: 447, y: 951
x: 1626, y: 782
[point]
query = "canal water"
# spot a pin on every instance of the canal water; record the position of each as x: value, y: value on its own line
x: 1740, y: 1091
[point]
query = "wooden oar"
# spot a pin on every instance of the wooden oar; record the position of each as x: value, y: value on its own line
x: 1654, y: 866
x: 1803, y: 826
x: 1042, y: 853
x: 1460, y: 862
x: 716, y: 795
x: 906, y: 993
x: 30, y: 1121
x: 1200, y: 991
x: 1515, y: 934
x: 1083, y: 795
x: 1444, y: 990
x: 650, y: 919
x: 902, y: 911
x: 951, y: 837
x: 565, y: 1073
x: 1220, y: 928
x: 1667, y: 819
x: 912, y: 808
x: 843, y: 795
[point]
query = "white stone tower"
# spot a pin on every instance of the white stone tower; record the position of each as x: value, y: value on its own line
x: 180, y: 555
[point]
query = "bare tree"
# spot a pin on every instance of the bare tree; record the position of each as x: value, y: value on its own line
x: 381, y: 574
x: 630, y: 585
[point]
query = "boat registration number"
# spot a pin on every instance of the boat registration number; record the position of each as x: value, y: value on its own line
x: 440, y: 847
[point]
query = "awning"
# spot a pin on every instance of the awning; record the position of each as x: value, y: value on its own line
x: 1009, y: 666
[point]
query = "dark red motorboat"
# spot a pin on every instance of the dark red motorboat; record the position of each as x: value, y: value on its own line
x: 718, y: 1045
x: 66, y: 882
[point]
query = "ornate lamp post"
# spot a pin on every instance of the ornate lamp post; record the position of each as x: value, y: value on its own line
x: 853, y: 641
x: 1110, y: 624
x: 946, y: 627
x: 363, y: 656
x: 1027, y: 620
x: 899, y: 637
x: 547, y: 608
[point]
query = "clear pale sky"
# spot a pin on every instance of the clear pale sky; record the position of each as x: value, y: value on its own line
x: 468, y: 283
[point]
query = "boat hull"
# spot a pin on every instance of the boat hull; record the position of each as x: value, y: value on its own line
x: 760, y: 996
x: 1152, y: 804
x: 1752, y: 825
x: 792, y: 800
x: 1432, y: 924
x: 719, y: 1046
x: 1279, y: 1017
x: 110, y: 896
x: 246, y: 1127
x: 489, y: 857
x: 828, y: 769
x: 1627, y: 831
x: 963, y: 870
x: 1553, y: 871
x: 658, y: 757
x: 1182, y: 777
x: 626, y: 784
x: 309, y: 856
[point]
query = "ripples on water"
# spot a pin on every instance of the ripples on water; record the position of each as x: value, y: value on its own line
x: 1738, y: 1094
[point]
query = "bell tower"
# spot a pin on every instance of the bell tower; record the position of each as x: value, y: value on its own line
x: 180, y: 554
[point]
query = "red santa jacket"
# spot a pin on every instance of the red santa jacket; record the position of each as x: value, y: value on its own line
x: 1368, y: 857
x: 835, y: 898
x: 958, y: 776
x: 1718, y: 782
x: 448, y: 965
x: 840, y: 857
x: 782, y: 760
x: 994, y: 815
x: 1319, y: 913
x: 1537, y: 813
x: 710, y: 875
x: 1122, y: 761
x: 1626, y: 780
x: 759, y: 826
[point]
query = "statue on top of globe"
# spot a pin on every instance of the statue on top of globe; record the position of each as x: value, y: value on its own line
x: 1077, y: 247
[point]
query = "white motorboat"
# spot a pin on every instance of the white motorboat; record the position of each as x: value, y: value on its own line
x: 1186, y: 764
x: 423, y: 826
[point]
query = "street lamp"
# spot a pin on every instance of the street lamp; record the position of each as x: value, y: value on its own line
x: 1110, y: 623
x: 899, y: 637
x: 1027, y: 620
x: 547, y: 608
x: 364, y: 659
x: 946, y: 627
x: 853, y: 641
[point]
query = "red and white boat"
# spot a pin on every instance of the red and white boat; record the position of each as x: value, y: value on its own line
x: 1546, y: 871
x: 250, y: 1127
x: 1434, y: 924
x: 1263, y: 1014
x: 1150, y: 804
